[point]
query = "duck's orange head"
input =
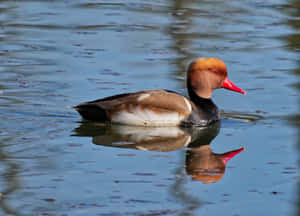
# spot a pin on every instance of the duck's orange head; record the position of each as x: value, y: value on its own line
x: 206, y: 74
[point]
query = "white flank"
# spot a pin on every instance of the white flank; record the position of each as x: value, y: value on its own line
x: 141, y: 148
x: 146, y: 117
x: 187, y: 142
x: 143, y: 96
x: 188, y: 104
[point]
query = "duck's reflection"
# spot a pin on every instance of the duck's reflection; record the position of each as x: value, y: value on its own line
x: 205, y: 166
x: 201, y: 163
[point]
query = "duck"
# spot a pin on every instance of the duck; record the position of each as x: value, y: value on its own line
x: 160, y: 107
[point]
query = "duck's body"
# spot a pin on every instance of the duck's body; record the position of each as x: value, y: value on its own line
x: 162, y: 107
x: 150, y: 108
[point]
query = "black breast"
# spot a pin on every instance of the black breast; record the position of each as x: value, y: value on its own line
x: 204, y: 113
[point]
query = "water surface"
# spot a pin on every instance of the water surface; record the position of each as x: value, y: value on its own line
x: 55, y: 54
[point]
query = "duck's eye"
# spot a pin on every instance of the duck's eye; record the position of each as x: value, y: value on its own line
x: 217, y: 72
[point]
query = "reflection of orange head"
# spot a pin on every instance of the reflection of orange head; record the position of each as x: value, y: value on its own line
x: 205, y: 166
x: 208, y: 176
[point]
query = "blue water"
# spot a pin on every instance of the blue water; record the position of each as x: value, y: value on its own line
x: 55, y: 54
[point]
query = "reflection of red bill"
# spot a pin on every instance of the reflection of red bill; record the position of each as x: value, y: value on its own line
x: 227, y: 156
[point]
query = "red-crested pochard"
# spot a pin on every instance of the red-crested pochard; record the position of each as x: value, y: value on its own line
x: 166, y: 108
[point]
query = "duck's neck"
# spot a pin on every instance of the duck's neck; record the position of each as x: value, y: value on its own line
x: 205, y: 106
x: 199, y: 101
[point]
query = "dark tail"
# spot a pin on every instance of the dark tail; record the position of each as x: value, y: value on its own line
x: 91, y: 112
